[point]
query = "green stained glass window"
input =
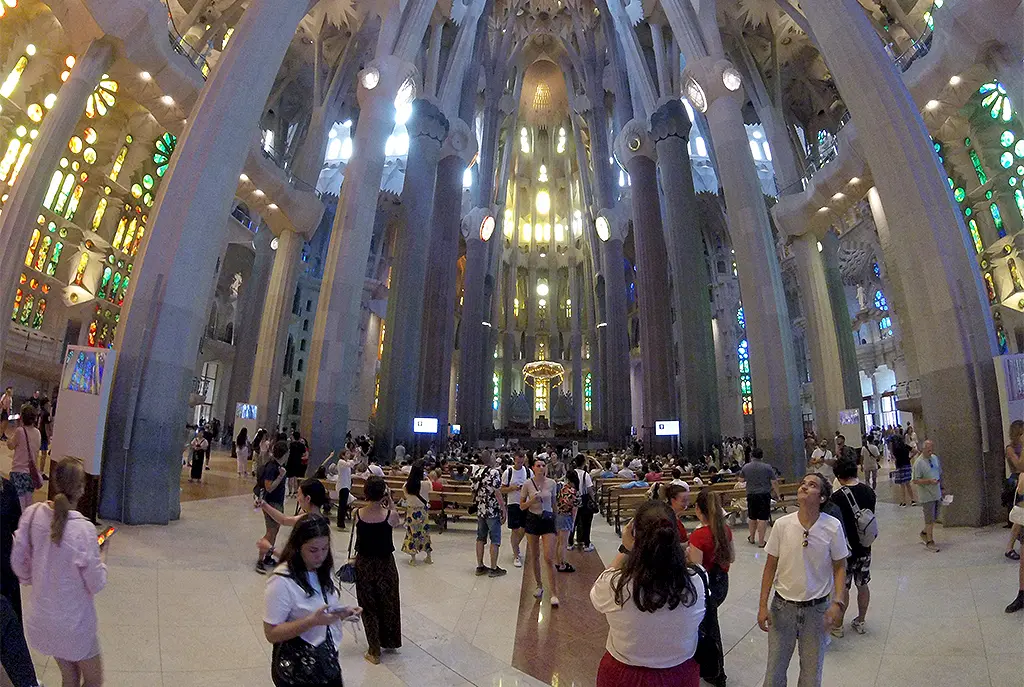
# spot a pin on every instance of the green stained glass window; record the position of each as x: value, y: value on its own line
x: 978, y: 169
x: 51, y: 265
x: 968, y: 211
x: 959, y: 194
x: 1007, y: 138
x: 148, y: 182
x: 949, y: 180
x: 1018, y: 149
x: 996, y: 101
x: 104, y: 282
x: 1018, y: 197
x: 1006, y: 159
x: 997, y: 219
x: 975, y: 235
x: 164, y: 148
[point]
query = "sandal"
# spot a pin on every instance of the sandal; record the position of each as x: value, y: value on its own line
x: 750, y: 540
x: 1011, y: 554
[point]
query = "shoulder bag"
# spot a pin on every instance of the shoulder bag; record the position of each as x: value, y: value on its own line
x: 33, y: 469
x: 347, y: 572
x: 867, y: 525
x: 297, y: 663
x: 707, y: 654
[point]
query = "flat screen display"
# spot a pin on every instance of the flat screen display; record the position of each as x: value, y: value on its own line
x: 666, y: 428
x: 246, y: 411
x: 456, y: 429
x: 424, y: 425
x: 83, y: 371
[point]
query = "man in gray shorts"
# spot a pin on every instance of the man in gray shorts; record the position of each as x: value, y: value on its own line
x: 928, y: 480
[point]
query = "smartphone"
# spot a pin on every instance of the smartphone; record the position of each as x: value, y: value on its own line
x: 106, y: 534
x: 354, y: 610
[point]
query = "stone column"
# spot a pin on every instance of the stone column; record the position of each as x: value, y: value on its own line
x: 576, y: 340
x: 400, y: 366
x: 946, y: 310
x: 698, y: 392
x: 636, y: 151
x: 876, y: 398
x: 247, y: 323
x: 438, y: 336
x: 334, y: 348
x: 471, y: 329
x: 163, y: 319
x: 826, y: 369
x: 22, y: 207
x: 774, y: 384
x: 841, y: 320
x: 265, y: 390
x: 614, y: 332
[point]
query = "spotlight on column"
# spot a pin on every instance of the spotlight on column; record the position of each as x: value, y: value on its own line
x: 243, y: 177
x: 272, y: 206
x: 258, y: 193
x: 486, y: 228
x: 273, y: 243
x: 145, y: 76
x: 695, y: 94
x: 955, y: 80
x: 731, y: 79
x: 167, y: 100
x: 370, y: 78
x: 931, y: 105
x: 604, y: 232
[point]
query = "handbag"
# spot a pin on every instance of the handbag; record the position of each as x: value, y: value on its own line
x: 297, y: 663
x: 347, y: 572
x: 33, y: 469
x: 707, y: 653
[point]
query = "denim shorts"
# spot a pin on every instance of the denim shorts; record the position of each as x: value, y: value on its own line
x: 489, y: 526
x: 563, y: 522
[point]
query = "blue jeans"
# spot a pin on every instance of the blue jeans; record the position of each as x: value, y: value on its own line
x: 791, y: 626
x: 489, y: 526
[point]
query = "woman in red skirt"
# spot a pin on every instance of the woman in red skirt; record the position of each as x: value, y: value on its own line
x: 653, y: 600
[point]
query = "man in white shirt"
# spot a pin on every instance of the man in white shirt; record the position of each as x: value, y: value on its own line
x: 807, y: 553
x: 823, y: 460
x: 512, y: 481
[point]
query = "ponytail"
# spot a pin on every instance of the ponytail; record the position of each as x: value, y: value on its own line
x: 709, y: 503
x: 69, y: 483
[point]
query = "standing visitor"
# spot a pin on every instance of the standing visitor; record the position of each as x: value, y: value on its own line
x: 344, y: 485
x: 490, y: 513
x: 677, y: 498
x: 258, y: 454
x: 515, y: 476
x: 588, y: 505
x: 869, y: 457
x: 1018, y: 603
x: 1014, y: 453
x: 200, y: 448
x: 312, y: 499
x: 417, y: 508
x: 928, y: 480
x: 851, y: 498
x: 55, y: 551
x: 566, y: 508
x: 711, y: 547
x: 377, y: 588
x: 14, y: 654
x: 806, y: 564
x: 6, y: 403
x: 242, y: 451
x: 538, y: 500
x: 654, y: 601
x: 43, y: 424
x: 272, y: 482
x: 297, y: 451
x: 822, y: 461
x: 25, y: 441
x: 901, y: 456
x: 303, y: 613
x: 761, y: 483
x: 10, y: 514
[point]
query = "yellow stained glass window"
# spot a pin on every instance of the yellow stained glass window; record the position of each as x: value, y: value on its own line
x: 32, y: 244
x: 118, y: 162
x: 97, y: 217
x: 11, y: 82
x: 7, y: 162
x: 21, y: 161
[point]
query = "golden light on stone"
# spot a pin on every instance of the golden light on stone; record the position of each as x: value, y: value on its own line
x: 543, y: 371
x: 543, y: 202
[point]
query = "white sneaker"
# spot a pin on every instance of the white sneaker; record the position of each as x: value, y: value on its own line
x: 518, y: 562
x: 539, y: 594
x: 570, y: 547
x: 554, y: 602
x: 588, y: 548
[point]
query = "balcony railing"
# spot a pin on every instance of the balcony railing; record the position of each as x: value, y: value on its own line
x: 283, y: 163
x: 182, y: 47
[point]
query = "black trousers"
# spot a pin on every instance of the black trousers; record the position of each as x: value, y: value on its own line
x: 584, y: 520
x: 14, y: 655
x: 342, y: 506
x: 719, y: 588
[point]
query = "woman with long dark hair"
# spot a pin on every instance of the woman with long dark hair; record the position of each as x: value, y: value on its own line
x: 654, y: 601
x: 711, y: 546
x: 259, y: 453
x: 242, y: 451
x: 303, y: 612
x: 376, y: 573
x: 417, y: 508
x: 312, y: 499
x: 56, y: 554
x: 901, y: 455
x: 538, y: 502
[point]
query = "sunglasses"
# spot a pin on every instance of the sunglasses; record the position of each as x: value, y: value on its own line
x: 806, y: 542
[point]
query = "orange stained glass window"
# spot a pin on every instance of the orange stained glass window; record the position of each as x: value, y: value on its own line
x: 92, y: 333
x: 32, y: 244
x: 26, y: 309
x: 83, y: 262
x: 17, y: 303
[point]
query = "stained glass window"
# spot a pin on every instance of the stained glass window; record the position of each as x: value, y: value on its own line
x: 118, y: 163
x: 26, y: 309
x: 880, y: 301
x: 41, y: 255
x: 540, y: 397
x: 102, y: 292
x: 588, y: 392
x: 978, y: 168
x: 102, y: 98
x: 37, y: 321
x: 972, y: 225
x: 877, y: 270
x: 743, y: 355
x: 996, y: 101
x: 164, y: 148
x: 496, y: 395
x: 741, y: 319
x: 51, y: 266
x: 32, y: 245
x: 885, y: 327
x: 115, y: 286
x: 17, y: 303
x: 83, y: 263
x: 11, y: 82
x: 997, y: 219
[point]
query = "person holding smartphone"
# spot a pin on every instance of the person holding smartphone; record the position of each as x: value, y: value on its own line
x: 303, y: 612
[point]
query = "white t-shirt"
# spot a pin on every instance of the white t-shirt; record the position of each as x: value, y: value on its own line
x: 661, y: 639
x: 345, y: 474
x: 681, y: 483
x: 805, y: 573
x: 825, y: 469
x: 375, y: 469
x: 586, y: 482
x: 414, y: 502
x: 514, y: 478
x: 284, y: 600
x: 626, y: 473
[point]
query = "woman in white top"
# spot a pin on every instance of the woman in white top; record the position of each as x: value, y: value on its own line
x: 538, y: 503
x: 417, y: 508
x: 654, y: 601
x: 302, y: 609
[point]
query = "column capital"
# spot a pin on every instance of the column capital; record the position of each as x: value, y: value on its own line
x: 670, y: 119
x: 382, y: 79
x: 634, y: 141
x: 428, y: 120
x: 708, y: 79
x: 461, y: 141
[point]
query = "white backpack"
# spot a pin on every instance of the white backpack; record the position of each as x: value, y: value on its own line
x: 867, y: 525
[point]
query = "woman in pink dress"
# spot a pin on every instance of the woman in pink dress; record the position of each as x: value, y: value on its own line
x: 55, y: 551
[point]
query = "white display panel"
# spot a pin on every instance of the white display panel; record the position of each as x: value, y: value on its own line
x: 424, y: 425
x: 666, y: 428
x: 81, y: 418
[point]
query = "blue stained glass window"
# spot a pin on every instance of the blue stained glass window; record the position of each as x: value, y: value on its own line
x: 880, y: 301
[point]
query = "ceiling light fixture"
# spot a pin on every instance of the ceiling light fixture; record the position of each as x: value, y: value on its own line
x: 931, y: 105
x: 258, y: 193
x: 838, y: 196
x: 854, y: 180
x: 272, y: 206
x: 167, y: 100
x: 145, y: 76
x: 955, y: 80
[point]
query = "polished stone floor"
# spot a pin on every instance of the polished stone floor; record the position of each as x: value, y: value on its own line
x: 183, y: 607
